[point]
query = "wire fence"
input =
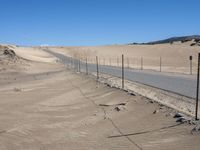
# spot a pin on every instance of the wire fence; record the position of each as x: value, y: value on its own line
x: 160, y: 64
x: 137, y: 70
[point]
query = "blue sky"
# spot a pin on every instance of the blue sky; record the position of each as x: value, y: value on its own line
x: 96, y: 22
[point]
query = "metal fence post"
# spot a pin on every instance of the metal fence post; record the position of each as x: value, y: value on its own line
x: 71, y: 62
x: 141, y: 63
x: 197, y: 94
x: 76, y: 64
x: 79, y: 65
x: 122, y: 71
x: 190, y: 65
x: 160, y: 64
x: 132, y: 62
x: 86, y: 65
x: 97, y: 67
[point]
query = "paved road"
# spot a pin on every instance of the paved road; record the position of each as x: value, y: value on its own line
x: 176, y: 83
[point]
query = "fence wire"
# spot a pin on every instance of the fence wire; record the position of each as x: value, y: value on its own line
x: 139, y: 69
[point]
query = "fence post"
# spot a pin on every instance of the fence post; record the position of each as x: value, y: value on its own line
x: 79, y: 65
x: 190, y: 65
x: 197, y: 94
x: 132, y: 62
x: 141, y: 63
x: 71, y: 62
x: 76, y: 64
x: 97, y: 67
x: 160, y: 64
x: 86, y: 65
x: 122, y: 71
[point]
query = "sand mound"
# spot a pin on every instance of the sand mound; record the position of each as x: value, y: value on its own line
x: 9, y: 60
x: 34, y: 54
x: 9, y: 53
x: 6, y: 53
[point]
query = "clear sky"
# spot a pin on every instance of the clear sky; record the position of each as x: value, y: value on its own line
x: 96, y: 22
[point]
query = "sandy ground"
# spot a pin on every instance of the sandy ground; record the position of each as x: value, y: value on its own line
x: 172, y: 100
x: 174, y: 57
x: 46, y: 106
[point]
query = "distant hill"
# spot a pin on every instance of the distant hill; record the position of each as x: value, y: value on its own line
x: 183, y: 39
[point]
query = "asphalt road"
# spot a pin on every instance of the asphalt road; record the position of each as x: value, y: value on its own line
x: 180, y: 84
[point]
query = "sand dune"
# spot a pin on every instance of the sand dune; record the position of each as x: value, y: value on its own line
x: 34, y: 54
x: 25, y: 59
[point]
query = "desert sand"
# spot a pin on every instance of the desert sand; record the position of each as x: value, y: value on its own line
x: 45, y: 105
